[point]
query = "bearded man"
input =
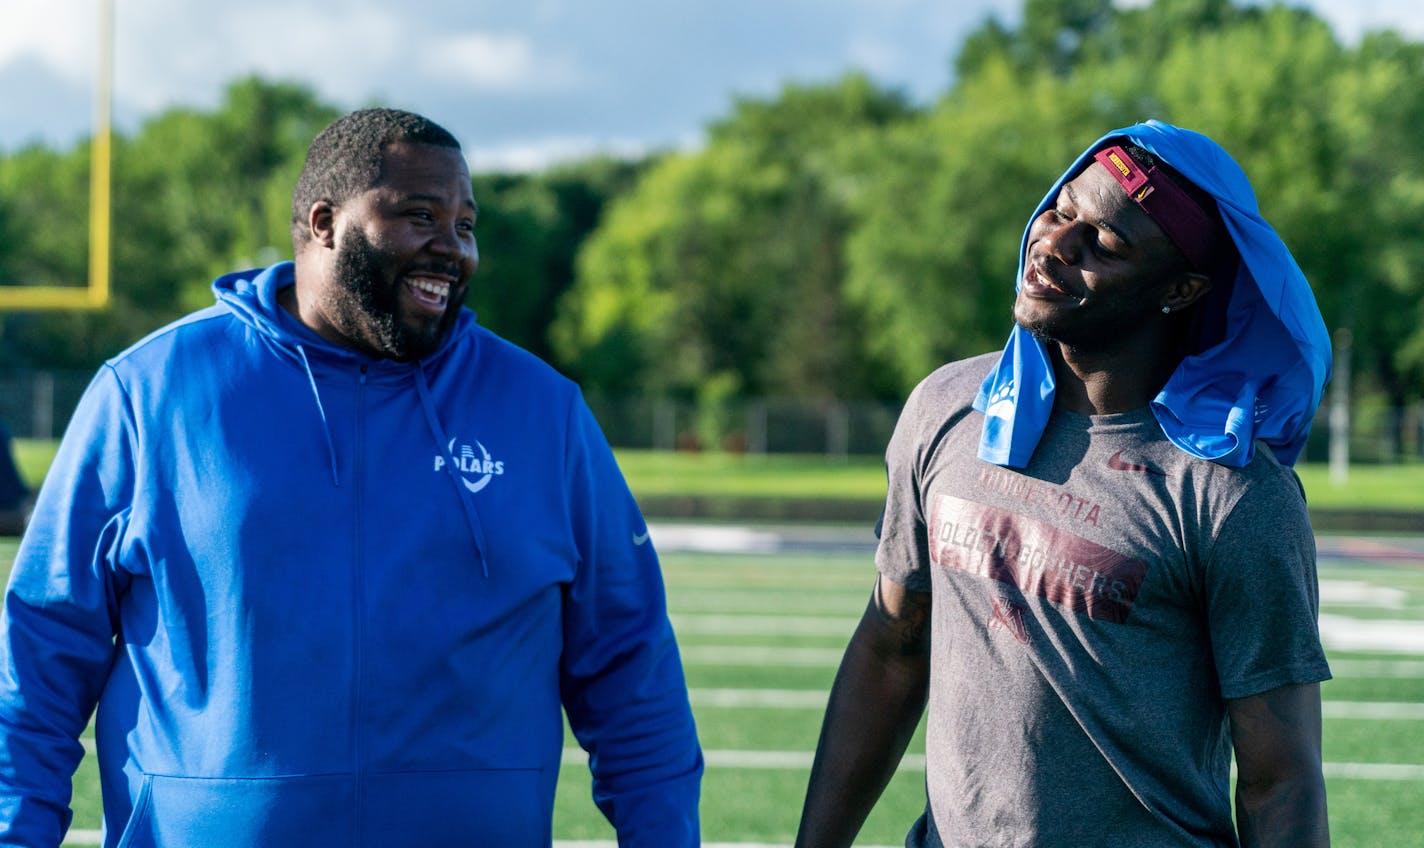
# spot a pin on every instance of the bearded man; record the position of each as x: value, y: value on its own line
x: 332, y: 560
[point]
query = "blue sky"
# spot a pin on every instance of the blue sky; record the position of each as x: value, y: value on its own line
x: 520, y: 82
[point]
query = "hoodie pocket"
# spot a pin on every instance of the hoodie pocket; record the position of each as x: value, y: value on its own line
x: 201, y: 812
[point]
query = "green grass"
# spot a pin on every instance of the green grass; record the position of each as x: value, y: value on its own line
x: 659, y: 473
x: 811, y: 603
x: 653, y: 473
x: 1398, y: 487
x: 664, y: 473
x: 32, y: 458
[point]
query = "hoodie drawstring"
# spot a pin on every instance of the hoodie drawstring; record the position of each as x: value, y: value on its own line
x: 321, y: 411
x: 472, y: 518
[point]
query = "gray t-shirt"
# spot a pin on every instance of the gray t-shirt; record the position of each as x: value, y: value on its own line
x: 1091, y: 614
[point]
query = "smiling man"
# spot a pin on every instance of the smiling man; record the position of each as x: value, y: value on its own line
x: 1096, y: 567
x: 332, y: 560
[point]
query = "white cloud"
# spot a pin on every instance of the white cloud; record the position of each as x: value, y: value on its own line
x: 565, y: 73
x: 62, y: 35
x: 1353, y: 18
x: 537, y: 154
x: 369, y: 51
x: 347, y: 57
x: 494, y: 62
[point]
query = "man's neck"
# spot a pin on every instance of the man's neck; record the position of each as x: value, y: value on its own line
x: 1108, y: 382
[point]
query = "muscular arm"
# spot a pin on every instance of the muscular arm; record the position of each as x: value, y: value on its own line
x: 1280, y: 790
x: 875, y: 704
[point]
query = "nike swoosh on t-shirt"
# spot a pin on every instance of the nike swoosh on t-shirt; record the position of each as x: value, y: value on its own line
x: 1117, y: 463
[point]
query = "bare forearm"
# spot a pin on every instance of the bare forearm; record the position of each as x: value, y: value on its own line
x: 1280, y: 788
x: 1289, y: 813
x: 875, y: 705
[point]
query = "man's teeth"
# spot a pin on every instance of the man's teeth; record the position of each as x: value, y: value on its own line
x: 431, y: 287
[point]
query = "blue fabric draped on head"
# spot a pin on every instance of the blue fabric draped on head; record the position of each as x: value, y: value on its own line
x: 1262, y: 381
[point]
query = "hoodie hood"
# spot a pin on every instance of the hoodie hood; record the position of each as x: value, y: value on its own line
x: 252, y: 297
x: 1262, y: 379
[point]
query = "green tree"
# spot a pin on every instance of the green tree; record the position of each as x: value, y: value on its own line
x: 724, y: 267
x: 200, y: 194
x: 45, y: 243
x: 195, y: 195
x: 1378, y: 108
x: 1331, y: 138
x: 529, y: 230
x: 933, y: 261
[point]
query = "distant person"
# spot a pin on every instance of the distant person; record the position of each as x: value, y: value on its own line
x: 1096, y: 565
x: 14, y: 494
x: 329, y: 558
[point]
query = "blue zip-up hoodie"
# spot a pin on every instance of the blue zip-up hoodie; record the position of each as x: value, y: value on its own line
x: 326, y: 599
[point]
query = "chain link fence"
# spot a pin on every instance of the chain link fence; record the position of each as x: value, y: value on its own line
x: 38, y: 404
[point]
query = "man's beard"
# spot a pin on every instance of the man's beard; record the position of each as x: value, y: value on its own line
x: 1100, y: 329
x: 366, y: 304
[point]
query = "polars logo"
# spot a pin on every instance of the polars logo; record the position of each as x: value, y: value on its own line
x: 474, y: 465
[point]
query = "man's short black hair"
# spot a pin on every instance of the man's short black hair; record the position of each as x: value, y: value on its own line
x: 346, y: 158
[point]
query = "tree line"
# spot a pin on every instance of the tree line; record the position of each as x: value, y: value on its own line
x: 834, y: 242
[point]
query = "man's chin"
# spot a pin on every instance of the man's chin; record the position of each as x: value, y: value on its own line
x: 419, y: 340
x: 1037, y: 325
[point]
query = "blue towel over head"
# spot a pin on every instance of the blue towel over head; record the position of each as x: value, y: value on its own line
x: 1263, y: 379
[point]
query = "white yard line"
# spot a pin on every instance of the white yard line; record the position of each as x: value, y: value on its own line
x: 1337, y: 632
x: 815, y: 699
x: 1375, y: 771
x: 1403, y: 669
x: 773, y: 656
x: 801, y: 760
x: 1372, y: 710
x: 1359, y: 593
x: 786, y: 699
x: 1341, y: 633
x: 757, y: 655
x: 763, y: 625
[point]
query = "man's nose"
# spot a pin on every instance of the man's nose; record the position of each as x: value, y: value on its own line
x: 1063, y: 241
x: 451, y: 243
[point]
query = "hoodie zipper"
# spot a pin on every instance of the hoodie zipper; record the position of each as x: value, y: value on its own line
x: 358, y: 558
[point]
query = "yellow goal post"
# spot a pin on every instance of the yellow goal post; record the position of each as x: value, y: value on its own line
x: 16, y: 297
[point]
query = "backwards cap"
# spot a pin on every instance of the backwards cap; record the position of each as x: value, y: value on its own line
x: 1263, y: 380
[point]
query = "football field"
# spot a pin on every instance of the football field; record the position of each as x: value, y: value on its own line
x: 763, y: 615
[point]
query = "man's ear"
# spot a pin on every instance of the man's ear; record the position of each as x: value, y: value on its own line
x: 1186, y: 289
x: 321, y: 224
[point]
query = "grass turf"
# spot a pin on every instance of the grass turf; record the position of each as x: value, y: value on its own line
x: 742, y: 804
